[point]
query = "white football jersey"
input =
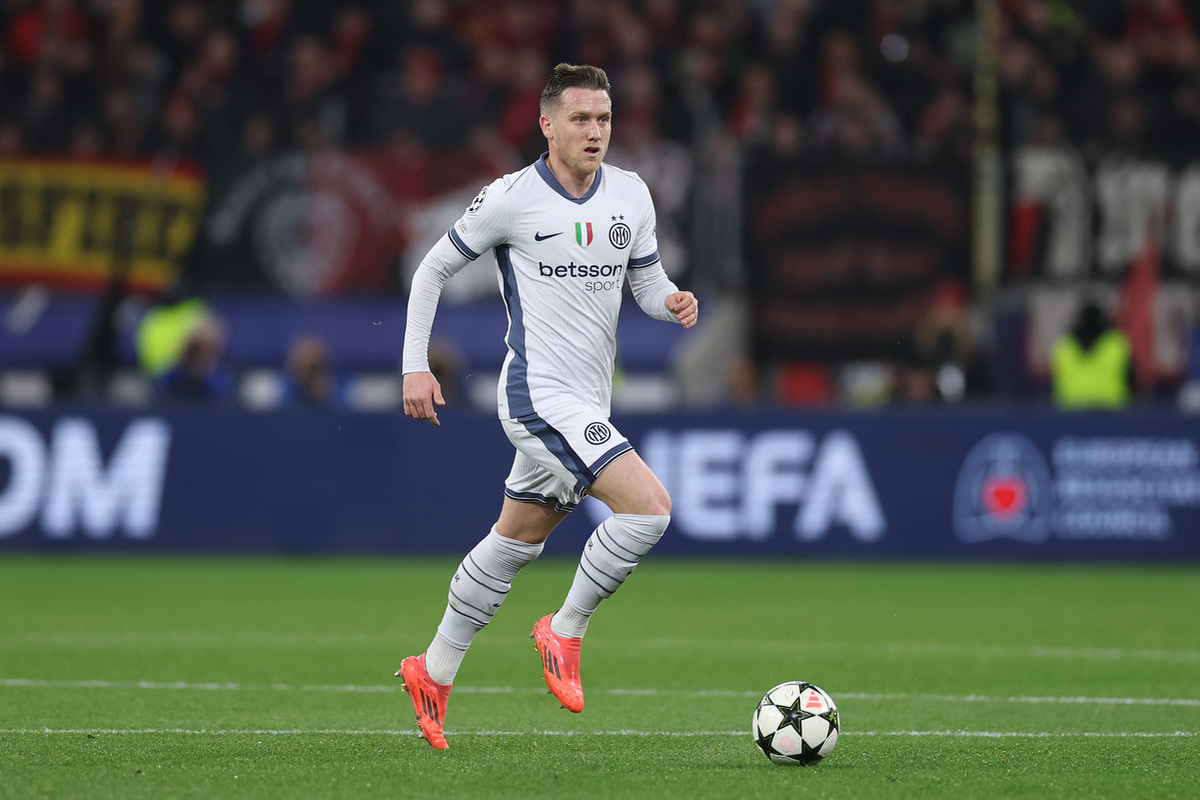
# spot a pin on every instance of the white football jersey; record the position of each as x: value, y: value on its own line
x: 562, y: 264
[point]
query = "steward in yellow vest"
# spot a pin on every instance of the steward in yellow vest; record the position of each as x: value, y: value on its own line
x: 1090, y: 366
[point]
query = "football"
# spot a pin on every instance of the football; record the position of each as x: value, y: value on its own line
x: 796, y: 723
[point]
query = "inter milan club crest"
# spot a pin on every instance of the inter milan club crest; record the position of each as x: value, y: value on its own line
x: 597, y: 433
x: 619, y: 236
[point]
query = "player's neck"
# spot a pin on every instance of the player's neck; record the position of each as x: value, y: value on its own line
x: 575, y: 184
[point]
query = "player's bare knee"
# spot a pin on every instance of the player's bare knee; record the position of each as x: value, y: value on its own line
x: 652, y: 501
x: 659, y: 506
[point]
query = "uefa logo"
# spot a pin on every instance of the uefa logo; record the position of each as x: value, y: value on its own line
x: 619, y: 236
x: 1004, y: 490
x: 597, y: 433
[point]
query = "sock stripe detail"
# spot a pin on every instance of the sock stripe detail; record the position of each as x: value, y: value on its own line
x: 605, y: 592
x: 465, y: 571
x: 476, y: 622
x: 618, y: 580
x: 602, y: 534
x: 486, y: 613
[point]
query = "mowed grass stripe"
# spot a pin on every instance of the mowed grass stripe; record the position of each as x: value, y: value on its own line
x: 538, y: 732
x: 260, y: 639
x: 698, y: 693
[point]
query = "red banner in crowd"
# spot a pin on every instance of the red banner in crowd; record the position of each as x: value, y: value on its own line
x: 79, y: 224
x: 331, y: 223
x: 845, y: 260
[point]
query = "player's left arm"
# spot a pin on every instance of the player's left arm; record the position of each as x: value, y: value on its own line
x: 657, y: 295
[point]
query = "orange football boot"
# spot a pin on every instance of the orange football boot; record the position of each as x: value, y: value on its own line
x: 560, y: 664
x: 429, y: 699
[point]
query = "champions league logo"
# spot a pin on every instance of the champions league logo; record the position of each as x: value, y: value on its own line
x: 1004, y: 490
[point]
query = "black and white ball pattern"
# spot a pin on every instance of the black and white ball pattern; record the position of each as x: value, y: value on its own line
x: 796, y: 723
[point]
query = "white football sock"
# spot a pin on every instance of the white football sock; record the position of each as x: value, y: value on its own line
x: 477, y: 589
x: 609, y: 557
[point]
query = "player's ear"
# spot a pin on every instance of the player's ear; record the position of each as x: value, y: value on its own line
x: 544, y: 122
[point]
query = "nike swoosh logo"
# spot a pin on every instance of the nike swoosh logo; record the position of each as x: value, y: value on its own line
x: 538, y: 236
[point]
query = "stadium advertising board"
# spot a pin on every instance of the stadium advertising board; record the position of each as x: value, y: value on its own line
x: 900, y: 484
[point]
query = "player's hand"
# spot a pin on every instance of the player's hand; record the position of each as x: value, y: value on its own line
x: 421, y: 392
x: 685, y: 307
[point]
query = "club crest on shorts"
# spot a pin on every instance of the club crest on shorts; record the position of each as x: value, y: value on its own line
x: 597, y: 433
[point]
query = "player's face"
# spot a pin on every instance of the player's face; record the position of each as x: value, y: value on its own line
x: 578, y: 130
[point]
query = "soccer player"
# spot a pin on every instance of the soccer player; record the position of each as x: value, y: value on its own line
x: 568, y: 232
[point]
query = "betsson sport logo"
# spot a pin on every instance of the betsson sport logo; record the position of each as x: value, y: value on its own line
x: 1004, y: 490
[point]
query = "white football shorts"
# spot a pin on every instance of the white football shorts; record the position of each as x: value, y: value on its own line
x: 560, y: 451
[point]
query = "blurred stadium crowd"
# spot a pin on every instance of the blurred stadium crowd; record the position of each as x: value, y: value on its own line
x: 1097, y: 143
x: 226, y: 79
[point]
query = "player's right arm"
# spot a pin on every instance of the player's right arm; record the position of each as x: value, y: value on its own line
x: 481, y: 227
x: 421, y: 390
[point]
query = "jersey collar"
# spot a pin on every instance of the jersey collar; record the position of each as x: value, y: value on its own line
x: 543, y: 169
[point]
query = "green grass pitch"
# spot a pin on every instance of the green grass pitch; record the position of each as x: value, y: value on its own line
x: 132, y: 677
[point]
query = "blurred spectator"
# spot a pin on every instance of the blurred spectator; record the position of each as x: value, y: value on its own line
x: 420, y: 100
x: 1091, y: 365
x: 310, y: 381
x: 855, y: 123
x: 10, y: 139
x: 41, y: 31
x: 522, y: 102
x: 311, y: 94
x: 199, y: 375
x: 785, y: 139
x: 127, y: 129
x: 755, y: 105
x: 46, y: 113
x: 944, y: 348
x: 944, y: 128
x: 163, y: 331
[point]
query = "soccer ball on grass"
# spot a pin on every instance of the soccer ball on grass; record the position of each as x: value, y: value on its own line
x: 796, y: 723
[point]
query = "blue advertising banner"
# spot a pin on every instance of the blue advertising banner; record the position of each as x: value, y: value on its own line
x: 962, y: 484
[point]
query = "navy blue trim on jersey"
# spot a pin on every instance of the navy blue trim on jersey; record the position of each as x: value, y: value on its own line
x: 457, y: 241
x: 644, y: 261
x: 534, y: 497
x: 543, y: 169
x: 561, y: 449
x: 516, y: 388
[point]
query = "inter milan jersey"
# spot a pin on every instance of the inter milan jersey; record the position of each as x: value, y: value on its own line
x: 563, y: 262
